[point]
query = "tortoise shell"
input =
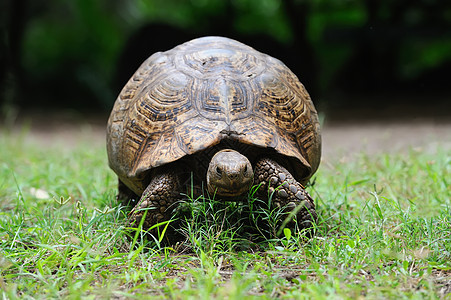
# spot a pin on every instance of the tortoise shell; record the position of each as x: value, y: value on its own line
x: 192, y: 97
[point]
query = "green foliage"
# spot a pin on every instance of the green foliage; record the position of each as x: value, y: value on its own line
x: 383, y: 233
x: 81, y: 41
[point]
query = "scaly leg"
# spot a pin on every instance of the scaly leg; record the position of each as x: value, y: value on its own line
x: 287, y: 193
x: 158, y: 200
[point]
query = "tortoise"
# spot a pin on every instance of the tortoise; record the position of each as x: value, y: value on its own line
x: 222, y: 111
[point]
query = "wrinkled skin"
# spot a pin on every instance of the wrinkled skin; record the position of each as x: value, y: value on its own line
x: 229, y: 174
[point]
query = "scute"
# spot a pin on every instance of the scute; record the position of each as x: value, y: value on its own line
x: 192, y: 97
x: 166, y: 99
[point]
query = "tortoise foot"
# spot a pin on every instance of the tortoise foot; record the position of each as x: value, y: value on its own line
x: 157, y: 202
x: 279, y: 186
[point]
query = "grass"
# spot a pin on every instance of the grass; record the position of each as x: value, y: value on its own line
x: 383, y: 232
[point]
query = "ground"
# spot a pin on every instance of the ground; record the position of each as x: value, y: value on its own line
x: 382, y: 192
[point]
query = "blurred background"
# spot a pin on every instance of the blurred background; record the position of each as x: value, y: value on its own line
x: 359, y: 59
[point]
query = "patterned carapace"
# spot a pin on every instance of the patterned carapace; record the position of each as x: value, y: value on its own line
x: 189, y: 99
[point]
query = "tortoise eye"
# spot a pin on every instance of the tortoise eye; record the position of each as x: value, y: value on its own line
x: 218, y: 170
x: 245, y: 169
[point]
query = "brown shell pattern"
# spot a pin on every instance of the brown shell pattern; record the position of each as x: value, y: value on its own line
x: 189, y: 98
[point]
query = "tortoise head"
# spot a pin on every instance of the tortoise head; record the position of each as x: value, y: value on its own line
x: 229, y: 173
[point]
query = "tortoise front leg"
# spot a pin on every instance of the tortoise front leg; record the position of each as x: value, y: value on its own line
x: 157, y: 200
x: 286, y: 192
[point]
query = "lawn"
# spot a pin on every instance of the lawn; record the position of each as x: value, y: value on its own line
x: 384, y: 231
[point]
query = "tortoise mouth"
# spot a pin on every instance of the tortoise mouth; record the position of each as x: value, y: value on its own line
x: 231, y: 190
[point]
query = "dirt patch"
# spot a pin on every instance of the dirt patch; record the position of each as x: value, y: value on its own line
x: 345, y: 139
x: 340, y: 139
